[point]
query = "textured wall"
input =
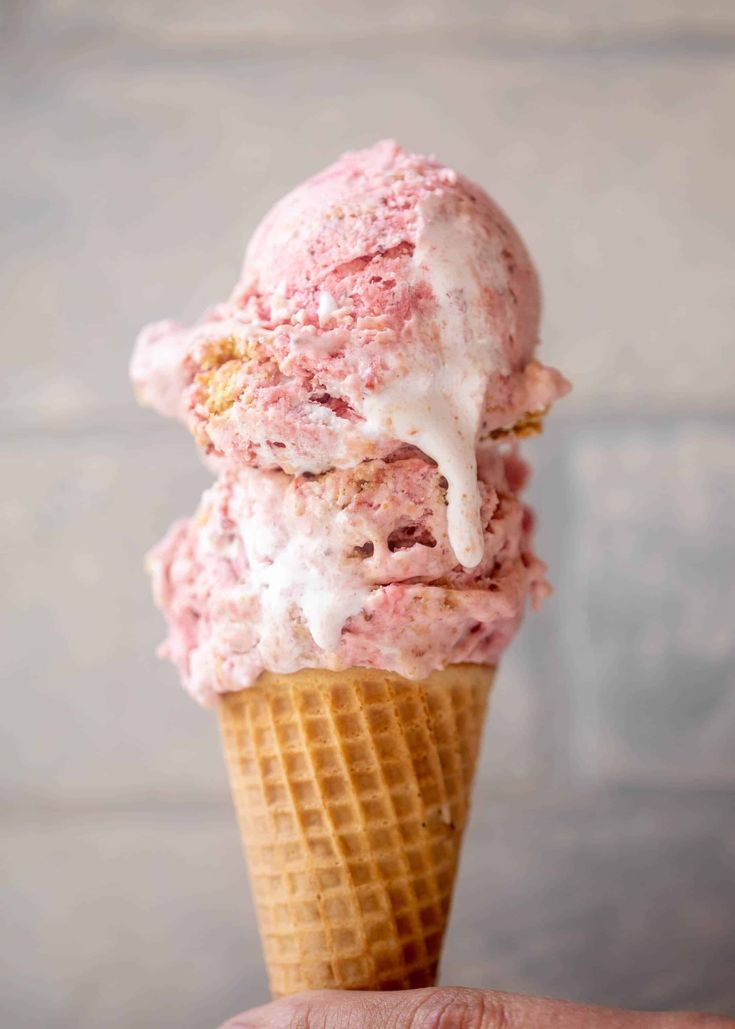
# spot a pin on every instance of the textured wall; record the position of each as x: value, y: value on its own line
x: 145, y: 140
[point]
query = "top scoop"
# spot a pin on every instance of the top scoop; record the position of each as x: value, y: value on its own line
x: 385, y: 302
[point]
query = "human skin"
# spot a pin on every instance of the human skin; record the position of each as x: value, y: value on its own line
x: 450, y: 1007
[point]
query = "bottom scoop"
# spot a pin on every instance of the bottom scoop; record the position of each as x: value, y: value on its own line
x: 347, y: 569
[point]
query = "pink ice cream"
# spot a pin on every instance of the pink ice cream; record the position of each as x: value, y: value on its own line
x: 381, y: 337
x: 353, y: 567
x: 386, y: 301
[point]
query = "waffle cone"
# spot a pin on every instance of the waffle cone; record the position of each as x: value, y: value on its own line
x: 352, y: 791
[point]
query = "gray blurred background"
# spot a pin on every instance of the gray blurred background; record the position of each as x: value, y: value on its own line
x: 142, y: 143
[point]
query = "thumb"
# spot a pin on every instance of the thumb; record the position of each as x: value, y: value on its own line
x: 413, y: 1009
x: 451, y: 1008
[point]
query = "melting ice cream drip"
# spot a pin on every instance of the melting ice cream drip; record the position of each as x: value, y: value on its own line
x: 437, y: 406
x: 432, y: 420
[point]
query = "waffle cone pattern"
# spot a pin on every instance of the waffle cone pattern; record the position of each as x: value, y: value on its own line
x: 352, y: 791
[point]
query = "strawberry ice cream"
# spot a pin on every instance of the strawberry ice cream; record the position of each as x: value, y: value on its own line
x: 353, y: 396
x: 386, y: 301
x: 353, y: 567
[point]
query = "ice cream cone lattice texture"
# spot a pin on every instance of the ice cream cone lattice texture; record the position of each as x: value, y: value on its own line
x: 352, y: 791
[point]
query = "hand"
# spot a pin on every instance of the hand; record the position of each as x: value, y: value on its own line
x: 452, y: 1007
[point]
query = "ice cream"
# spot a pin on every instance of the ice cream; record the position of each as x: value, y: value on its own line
x: 384, y: 302
x: 350, y: 568
x: 353, y: 576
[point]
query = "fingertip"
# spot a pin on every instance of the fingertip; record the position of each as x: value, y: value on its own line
x: 283, y: 1013
x: 256, y: 1018
x: 325, y: 1009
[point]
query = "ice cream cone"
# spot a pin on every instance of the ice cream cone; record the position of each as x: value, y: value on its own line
x: 352, y: 791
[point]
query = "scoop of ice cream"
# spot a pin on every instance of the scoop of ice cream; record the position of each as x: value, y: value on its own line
x: 254, y: 581
x: 385, y: 302
x: 386, y: 233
